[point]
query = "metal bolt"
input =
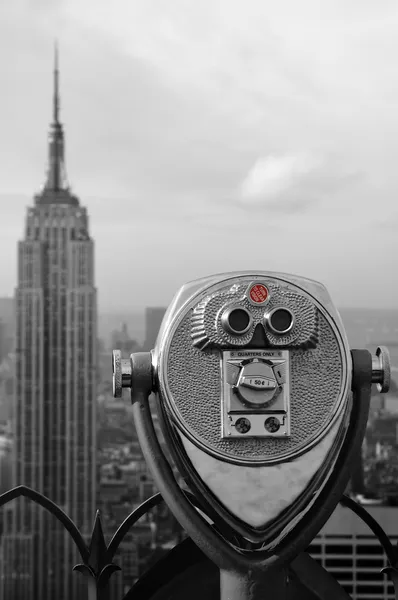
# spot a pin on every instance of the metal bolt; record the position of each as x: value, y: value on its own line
x: 381, y: 370
x: 122, y: 373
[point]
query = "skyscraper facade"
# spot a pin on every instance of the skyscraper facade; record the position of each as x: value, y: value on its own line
x: 55, y: 392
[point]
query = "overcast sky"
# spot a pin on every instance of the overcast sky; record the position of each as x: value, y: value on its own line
x: 209, y: 136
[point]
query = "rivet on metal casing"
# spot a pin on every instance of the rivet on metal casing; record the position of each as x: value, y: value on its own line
x: 122, y: 373
x: 381, y: 370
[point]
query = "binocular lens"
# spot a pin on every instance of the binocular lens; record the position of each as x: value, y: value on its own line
x: 280, y: 320
x: 237, y: 321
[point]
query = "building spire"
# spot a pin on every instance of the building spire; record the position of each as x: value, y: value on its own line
x: 56, y: 85
x: 56, y: 176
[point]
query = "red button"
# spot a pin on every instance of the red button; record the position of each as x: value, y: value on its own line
x: 258, y: 293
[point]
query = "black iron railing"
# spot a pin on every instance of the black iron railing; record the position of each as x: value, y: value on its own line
x: 98, y: 566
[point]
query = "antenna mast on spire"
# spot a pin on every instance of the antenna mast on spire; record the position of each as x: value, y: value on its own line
x: 56, y: 176
x: 56, y: 85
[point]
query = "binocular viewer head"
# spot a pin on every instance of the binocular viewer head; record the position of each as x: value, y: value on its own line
x: 253, y: 375
x: 252, y: 369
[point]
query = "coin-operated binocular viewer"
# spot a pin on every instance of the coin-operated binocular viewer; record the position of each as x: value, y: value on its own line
x: 263, y: 407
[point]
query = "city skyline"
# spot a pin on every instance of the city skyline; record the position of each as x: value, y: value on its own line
x: 191, y: 126
x: 200, y: 138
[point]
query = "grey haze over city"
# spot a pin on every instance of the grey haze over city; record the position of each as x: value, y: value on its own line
x: 210, y: 136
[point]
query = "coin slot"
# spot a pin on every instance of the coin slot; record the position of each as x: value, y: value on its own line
x: 236, y: 320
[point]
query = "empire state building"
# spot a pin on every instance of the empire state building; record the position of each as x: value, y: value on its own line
x: 55, y: 397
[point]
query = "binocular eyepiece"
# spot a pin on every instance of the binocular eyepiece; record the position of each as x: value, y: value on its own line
x: 259, y: 396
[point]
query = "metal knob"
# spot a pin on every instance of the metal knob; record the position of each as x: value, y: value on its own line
x: 381, y: 369
x: 122, y: 373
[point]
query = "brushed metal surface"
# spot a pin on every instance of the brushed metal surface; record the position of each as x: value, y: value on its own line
x: 272, y: 488
x: 189, y: 379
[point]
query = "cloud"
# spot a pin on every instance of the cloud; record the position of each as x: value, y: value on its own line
x: 294, y: 183
x: 388, y: 226
x: 272, y: 176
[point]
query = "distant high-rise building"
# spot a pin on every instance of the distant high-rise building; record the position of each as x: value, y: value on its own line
x: 353, y: 555
x: 153, y: 320
x: 55, y: 392
x: 7, y: 311
x: 3, y: 340
x: 122, y: 341
x: 7, y: 326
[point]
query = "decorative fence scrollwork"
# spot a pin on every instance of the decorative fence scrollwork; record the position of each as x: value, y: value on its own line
x: 391, y: 552
x: 97, y: 557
